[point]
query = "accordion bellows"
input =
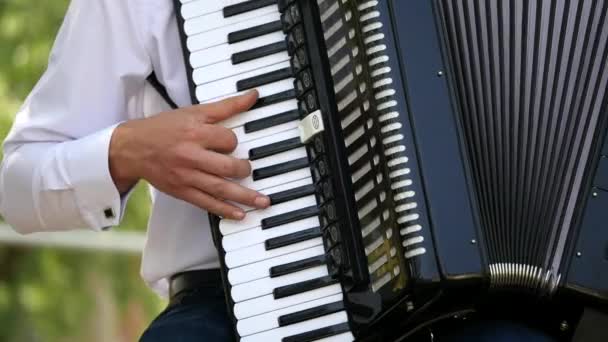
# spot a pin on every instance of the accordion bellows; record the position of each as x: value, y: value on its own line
x: 530, y: 80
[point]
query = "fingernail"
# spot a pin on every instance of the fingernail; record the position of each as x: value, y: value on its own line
x: 238, y: 214
x: 262, y: 201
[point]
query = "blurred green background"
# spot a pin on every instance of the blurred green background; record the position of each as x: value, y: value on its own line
x: 50, y: 294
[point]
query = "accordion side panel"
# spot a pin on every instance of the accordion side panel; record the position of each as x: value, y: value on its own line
x: 434, y: 124
x: 530, y: 79
x: 588, y: 270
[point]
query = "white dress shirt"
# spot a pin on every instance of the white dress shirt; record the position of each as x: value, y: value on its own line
x: 55, y: 171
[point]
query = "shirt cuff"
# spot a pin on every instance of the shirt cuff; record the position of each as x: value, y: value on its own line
x: 87, y: 167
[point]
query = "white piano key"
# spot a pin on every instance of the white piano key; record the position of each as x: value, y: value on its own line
x: 344, y: 337
x: 269, y: 320
x: 224, y: 52
x: 287, y: 186
x: 265, y: 286
x: 258, y: 252
x: 268, y: 89
x: 279, y: 333
x: 195, y: 8
x: 225, y: 69
x: 267, y: 303
x: 243, y: 137
x: 260, y: 113
x: 242, y: 150
x: 220, y: 35
x: 216, y: 20
x: 261, y: 269
x: 274, y: 189
x: 204, y: 78
x: 279, y: 158
x: 254, y: 218
x: 258, y: 235
x: 272, y: 181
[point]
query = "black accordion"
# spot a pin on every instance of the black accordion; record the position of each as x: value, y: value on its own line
x: 425, y: 160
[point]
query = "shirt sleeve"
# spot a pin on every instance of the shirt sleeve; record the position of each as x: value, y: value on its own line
x: 55, y: 173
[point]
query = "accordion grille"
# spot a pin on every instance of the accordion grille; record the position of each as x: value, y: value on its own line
x: 377, y: 155
x: 530, y: 80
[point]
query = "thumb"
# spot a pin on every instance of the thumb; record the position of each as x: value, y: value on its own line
x: 221, y: 110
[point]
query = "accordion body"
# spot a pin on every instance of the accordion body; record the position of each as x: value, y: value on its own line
x: 456, y: 153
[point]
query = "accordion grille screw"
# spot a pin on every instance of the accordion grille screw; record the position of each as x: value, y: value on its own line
x: 439, y: 73
x: 594, y: 194
x: 473, y: 241
x: 579, y: 254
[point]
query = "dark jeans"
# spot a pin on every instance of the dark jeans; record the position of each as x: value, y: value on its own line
x: 198, y: 316
x: 201, y: 316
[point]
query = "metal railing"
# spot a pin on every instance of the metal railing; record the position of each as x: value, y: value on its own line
x: 109, y: 241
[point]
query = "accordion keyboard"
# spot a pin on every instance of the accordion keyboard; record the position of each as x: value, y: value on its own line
x: 278, y: 283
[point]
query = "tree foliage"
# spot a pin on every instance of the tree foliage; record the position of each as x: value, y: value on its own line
x: 49, y: 294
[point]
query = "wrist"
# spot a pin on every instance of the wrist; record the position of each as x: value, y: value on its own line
x: 121, y: 158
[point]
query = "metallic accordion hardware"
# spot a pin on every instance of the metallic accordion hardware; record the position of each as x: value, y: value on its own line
x: 424, y: 160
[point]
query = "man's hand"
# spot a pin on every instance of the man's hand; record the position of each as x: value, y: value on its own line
x: 184, y: 154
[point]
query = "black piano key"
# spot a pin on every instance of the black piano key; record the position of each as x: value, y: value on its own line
x: 259, y: 52
x: 311, y: 313
x: 292, y: 216
x: 292, y: 238
x: 292, y: 194
x: 274, y: 170
x: 275, y: 98
x: 246, y: 6
x: 263, y: 79
x: 296, y: 266
x: 256, y: 31
x: 318, y: 334
x: 304, y: 286
x: 274, y: 120
x: 272, y: 149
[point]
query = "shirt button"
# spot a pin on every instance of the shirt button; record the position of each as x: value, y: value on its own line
x: 109, y: 213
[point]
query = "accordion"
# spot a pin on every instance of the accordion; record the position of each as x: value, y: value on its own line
x: 423, y: 159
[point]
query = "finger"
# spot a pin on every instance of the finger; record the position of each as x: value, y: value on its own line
x: 226, y: 190
x: 212, y: 204
x: 222, y: 110
x: 222, y: 165
x: 220, y: 139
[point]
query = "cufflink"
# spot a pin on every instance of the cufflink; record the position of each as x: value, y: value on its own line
x: 109, y: 213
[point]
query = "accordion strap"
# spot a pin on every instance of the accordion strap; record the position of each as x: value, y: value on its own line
x: 162, y: 91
